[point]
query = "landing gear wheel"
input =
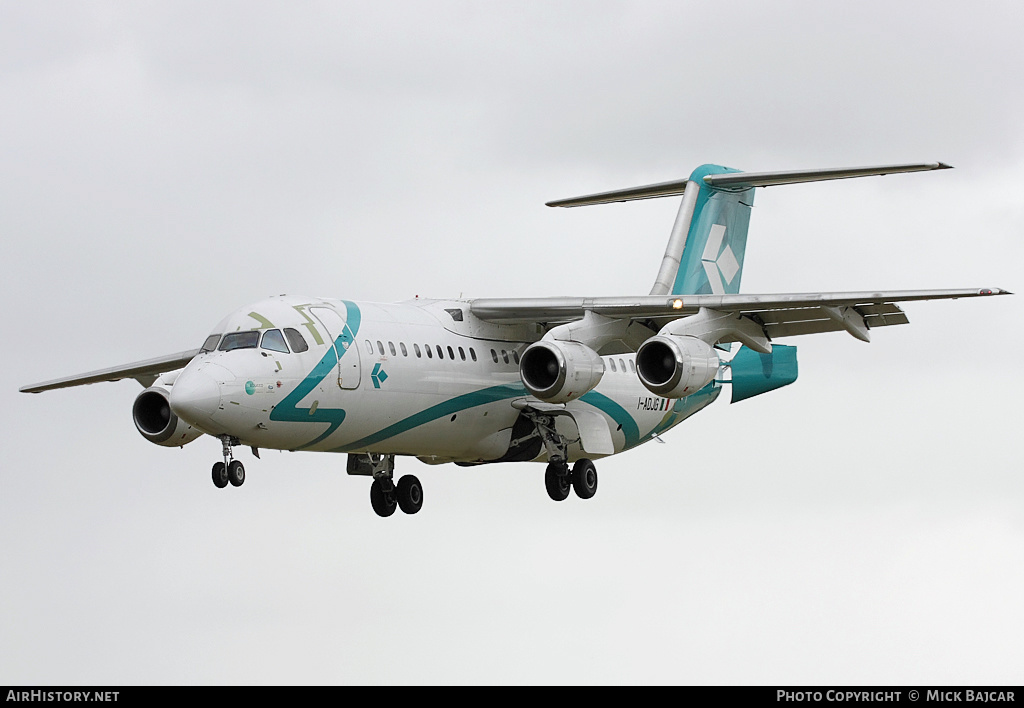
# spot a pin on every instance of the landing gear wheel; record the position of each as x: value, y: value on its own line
x: 410, y: 494
x: 556, y: 479
x: 383, y: 503
x: 584, y: 478
x: 220, y: 475
x: 236, y: 473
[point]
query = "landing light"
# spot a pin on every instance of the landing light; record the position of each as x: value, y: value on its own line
x: 677, y: 304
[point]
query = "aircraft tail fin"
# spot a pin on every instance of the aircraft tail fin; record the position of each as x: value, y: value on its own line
x: 709, y: 236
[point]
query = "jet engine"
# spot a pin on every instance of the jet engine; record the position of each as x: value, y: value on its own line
x: 156, y: 421
x: 556, y: 371
x: 674, y: 366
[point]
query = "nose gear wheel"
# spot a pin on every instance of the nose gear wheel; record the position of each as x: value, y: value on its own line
x: 230, y: 471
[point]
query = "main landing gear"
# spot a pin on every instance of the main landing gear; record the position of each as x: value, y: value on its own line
x: 558, y: 479
x: 385, y: 495
x: 230, y: 470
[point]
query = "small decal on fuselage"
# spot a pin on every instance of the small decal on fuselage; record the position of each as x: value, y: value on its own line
x: 254, y: 388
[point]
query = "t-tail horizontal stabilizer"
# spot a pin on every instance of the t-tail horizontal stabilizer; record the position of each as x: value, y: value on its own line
x: 706, y: 248
x: 743, y: 180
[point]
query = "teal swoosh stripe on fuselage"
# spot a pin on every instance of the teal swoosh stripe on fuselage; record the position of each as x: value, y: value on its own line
x: 683, y: 408
x: 441, y: 410
x: 617, y: 413
x: 287, y: 409
x: 490, y: 395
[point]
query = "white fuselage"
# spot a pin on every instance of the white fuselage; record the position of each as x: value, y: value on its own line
x: 423, y: 378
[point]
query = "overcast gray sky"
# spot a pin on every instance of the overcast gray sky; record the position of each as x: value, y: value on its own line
x: 162, y: 164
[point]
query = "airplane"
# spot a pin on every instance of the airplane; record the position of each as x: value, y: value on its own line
x: 555, y: 380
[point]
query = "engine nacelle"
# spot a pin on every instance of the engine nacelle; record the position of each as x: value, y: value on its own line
x: 674, y: 367
x: 156, y: 421
x: 557, y: 371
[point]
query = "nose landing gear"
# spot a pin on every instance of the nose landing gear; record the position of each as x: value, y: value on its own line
x: 220, y: 475
x: 230, y: 470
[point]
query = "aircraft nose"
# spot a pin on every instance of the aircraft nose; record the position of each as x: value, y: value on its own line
x: 195, y: 398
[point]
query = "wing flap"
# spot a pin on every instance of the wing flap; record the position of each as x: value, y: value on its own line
x: 812, y: 320
x: 812, y: 326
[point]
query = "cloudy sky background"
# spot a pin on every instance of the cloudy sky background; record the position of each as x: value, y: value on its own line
x: 163, y: 164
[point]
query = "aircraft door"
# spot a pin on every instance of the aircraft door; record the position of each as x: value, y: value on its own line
x: 348, y: 352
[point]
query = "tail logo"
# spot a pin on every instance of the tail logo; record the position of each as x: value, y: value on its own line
x: 719, y: 262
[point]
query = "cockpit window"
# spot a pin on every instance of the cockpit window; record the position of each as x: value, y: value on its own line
x: 210, y: 344
x: 296, y: 340
x: 274, y: 341
x: 240, y: 340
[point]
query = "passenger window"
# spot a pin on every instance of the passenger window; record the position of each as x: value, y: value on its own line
x: 210, y: 344
x: 451, y: 354
x: 274, y: 341
x: 494, y: 355
x: 472, y: 353
x: 240, y: 340
x: 515, y: 355
x: 380, y: 347
x: 632, y: 366
x: 369, y: 347
x: 504, y: 355
x: 462, y: 353
x: 622, y: 365
x: 612, y: 362
x: 440, y: 353
x: 430, y: 353
x: 405, y: 352
x: 391, y: 346
x: 295, y: 339
x: 416, y: 348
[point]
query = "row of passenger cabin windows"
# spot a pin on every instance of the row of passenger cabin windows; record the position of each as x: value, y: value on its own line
x: 272, y: 339
x: 429, y: 351
x: 622, y: 365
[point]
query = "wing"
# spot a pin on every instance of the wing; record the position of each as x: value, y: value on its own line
x: 781, y: 315
x: 145, y: 372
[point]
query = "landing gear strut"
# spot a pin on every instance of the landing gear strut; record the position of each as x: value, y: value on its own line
x: 230, y: 470
x: 558, y: 480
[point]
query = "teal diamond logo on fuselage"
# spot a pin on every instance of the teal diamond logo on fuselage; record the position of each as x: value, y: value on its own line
x: 378, y: 376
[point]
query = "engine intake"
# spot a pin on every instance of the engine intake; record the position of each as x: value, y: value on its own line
x: 675, y: 367
x: 558, y: 372
x: 157, y: 422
